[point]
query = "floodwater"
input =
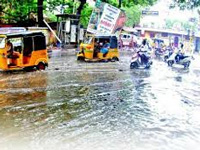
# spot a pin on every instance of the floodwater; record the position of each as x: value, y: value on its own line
x: 100, y: 106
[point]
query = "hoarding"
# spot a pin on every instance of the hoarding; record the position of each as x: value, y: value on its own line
x: 107, y: 19
x: 81, y: 34
x: 5, y: 30
x: 150, y: 13
x: 67, y: 26
x: 73, y: 33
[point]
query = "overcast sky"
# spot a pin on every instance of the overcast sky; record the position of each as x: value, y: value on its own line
x: 163, y: 7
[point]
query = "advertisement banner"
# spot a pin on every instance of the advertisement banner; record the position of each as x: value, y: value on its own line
x: 119, y: 23
x: 81, y: 34
x: 73, y: 33
x: 106, y: 19
x: 5, y: 30
x: 152, y: 13
x: 67, y: 26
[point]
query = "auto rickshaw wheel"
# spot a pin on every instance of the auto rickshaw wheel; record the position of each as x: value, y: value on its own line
x: 170, y: 63
x: 41, y: 66
x: 114, y: 59
x: 80, y: 58
x: 29, y: 68
x: 186, y: 65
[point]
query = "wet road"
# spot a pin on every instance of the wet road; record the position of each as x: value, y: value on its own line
x: 100, y: 106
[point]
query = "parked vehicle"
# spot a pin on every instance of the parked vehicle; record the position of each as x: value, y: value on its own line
x: 179, y: 59
x: 24, y: 50
x: 159, y: 52
x: 141, y: 60
x: 99, y: 48
x: 168, y: 53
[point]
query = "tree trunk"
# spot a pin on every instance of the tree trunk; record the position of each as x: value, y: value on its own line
x: 120, y: 4
x: 81, y: 7
x: 40, y: 13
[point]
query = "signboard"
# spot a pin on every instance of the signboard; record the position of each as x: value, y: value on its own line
x: 81, y: 34
x: 73, y: 33
x: 192, y: 19
x: 67, y: 26
x: 150, y: 13
x: 107, y: 19
x: 5, y: 30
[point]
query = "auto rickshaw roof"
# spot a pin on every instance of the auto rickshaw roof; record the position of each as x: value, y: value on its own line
x: 104, y: 36
x: 22, y: 34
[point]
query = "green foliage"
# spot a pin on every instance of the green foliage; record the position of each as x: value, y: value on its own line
x: 85, y: 15
x: 133, y: 10
x: 185, y: 25
x: 71, y: 5
x: 17, y: 10
x: 51, y: 16
x: 133, y: 15
x: 185, y: 4
x: 113, y: 2
x: 14, y: 11
x: 144, y: 3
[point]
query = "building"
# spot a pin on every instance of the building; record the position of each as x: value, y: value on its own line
x: 191, y: 42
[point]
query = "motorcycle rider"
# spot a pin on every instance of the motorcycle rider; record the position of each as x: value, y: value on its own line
x: 143, y: 49
x: 180, y: 53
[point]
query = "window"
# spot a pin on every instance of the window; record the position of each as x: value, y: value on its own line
x: 187, y: 37
x: 88, y: 40
x: 164, y: 34
x: 152, y: 35
x: 28, y: 46
x: 2, y: 42
x: 124, y: 36
x: 39, y: 43
x: 113, y: 43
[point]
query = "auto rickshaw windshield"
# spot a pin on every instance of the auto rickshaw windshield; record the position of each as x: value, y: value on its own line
x: 88, y: 40
x: 2, y: 42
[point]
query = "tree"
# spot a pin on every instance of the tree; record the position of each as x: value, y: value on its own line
x: 133, y: 10
x: 185, y: 4
x: 40, y: 12
x: 17, y: 11
x: 85, y: 15
x: 133, y: 15
x: 81, y: 6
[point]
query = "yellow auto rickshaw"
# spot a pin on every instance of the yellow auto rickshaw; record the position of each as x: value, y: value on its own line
x: 94, y: 48
x: 25, y: 50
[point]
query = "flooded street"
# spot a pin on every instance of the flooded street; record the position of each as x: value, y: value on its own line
x: 100, y: 106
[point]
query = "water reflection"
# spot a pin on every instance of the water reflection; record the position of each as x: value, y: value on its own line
x: 18, y: 88
x: 100, y: 106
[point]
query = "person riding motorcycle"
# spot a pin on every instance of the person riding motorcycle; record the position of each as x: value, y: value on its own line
x: 141, y: 57
x: 143, y: 52
x: 180, y: 53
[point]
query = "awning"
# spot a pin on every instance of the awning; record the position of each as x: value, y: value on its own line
x: 129, y: 29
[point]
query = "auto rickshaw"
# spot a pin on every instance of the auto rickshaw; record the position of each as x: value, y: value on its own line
x: 91, y: 48
x: 28, y: 51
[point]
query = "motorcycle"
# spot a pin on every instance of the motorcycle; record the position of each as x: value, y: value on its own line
x: 179, y: 59
x: 167, y: 54
x: 141, y: 60
x: 159, y: 52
